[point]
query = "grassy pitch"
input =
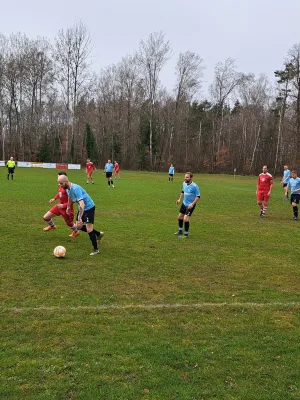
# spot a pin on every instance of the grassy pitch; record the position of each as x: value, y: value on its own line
x: 152, y: 316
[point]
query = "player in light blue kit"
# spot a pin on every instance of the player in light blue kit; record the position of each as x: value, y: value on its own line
x: 294, y: 184
x: 108, y: 169
x: 285, y: 180
x: 171, y: 172
x: 86, y: 210
x: 190, y: 195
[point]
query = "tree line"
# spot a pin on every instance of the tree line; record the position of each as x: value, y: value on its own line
x: 54, y: 107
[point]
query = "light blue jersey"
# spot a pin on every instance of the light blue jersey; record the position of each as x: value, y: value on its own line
x: 109, y: 167
x: 286, y: 175
x: 190, y: 192
x: 77, y: 193
x: 171, y: 170
x: 294, y: 184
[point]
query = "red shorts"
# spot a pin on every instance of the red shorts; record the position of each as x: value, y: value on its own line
x: 90, y: 173
x: 62, y: 211
x: 263, y: 196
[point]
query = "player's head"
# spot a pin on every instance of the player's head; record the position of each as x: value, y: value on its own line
x: 265, y: 169
x: 115, y: 162
x: 63, y: 181
x: 11, y: 158
x: 109, y: 161
x: 62, y: 173
x: 171, y: 165
x: 188, y: 177
x: 294, y: 174
x: 285, y: 167
x: 88, y: 160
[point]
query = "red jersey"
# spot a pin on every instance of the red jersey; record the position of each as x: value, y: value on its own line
x: 264, y: 182
x: 63, y: 197
x: 117, y: 167
x: 90, y: 167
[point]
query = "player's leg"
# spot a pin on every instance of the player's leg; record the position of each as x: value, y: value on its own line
x: 69, y: 220
x: 295, y: 202
x: 111, y: 181
x: 180, y: 221
x: 259, y: 199
x: 48, y: 218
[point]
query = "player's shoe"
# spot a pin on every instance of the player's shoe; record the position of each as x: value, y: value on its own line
x: 262, y: 214
x: 295, y: 218
x: 87, y: 182
x: 93, y: 182
x: 49, y: 228
x: 100, y: 236
x: 94, y: 252
x: 113, y: 185
x: 185, y: 236
x: 74, y: 234
x: 178, y: 233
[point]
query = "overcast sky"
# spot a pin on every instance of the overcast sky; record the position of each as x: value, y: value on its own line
x: 256, y: 33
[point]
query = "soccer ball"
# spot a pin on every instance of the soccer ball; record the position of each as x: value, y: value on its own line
x: 59, y: 251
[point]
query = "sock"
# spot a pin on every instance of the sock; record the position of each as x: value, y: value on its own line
x: 180, y: 223
x: 8, y: 176
x: 74, y: 228
x: 51, y: 223
x: 186, y: 227
x: 169, y: 179
x: 83, y: 228
x: 295, y: 209
x: 93, y: 239
x: 96, y: 232
x: 112, y: 182
x: 265, y: 208
x: 108, y: 183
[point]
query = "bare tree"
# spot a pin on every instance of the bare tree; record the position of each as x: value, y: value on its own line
x: 152, y: 56
x: 73, y: 47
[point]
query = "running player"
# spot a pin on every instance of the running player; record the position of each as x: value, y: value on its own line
x: 11, y: 165
x: 263, y: 190
x: 294, y: 184
x: 171, y: 172
x: 86, y: 210
x: 285, y: 179
x: 117, y: 170
x: 191, y: 195
x: 108, y: 169
x: 60, y: 209
x: 89, y: 168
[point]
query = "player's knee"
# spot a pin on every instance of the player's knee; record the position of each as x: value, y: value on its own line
x: 45, y: 218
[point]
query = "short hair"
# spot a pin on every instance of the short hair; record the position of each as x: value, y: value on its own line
x: 294, y: 171
x: 189, y: 173
x: 62, y: 173
x: 266, y: 166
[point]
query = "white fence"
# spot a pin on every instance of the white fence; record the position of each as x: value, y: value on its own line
x: 28, y: 164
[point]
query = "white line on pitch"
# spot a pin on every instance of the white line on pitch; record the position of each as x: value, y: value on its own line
x: 153, y: 306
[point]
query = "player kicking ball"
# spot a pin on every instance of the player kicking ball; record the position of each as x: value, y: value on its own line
x: 60, y: 209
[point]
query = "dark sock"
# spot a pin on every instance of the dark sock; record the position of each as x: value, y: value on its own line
x: 96, y: 232
x: 295, y: 209
x: 83, y: 228
x: 180, y: 223
x: 93, y: 239
x: 186, y: 227
x: 108, y: 183
x: 112, y: 182
x: 8, y: 176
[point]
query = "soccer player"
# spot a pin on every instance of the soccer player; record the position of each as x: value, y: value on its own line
x: 294, y: 184
x: 171, y: 172
x: 108, y: 169
x: 117, y: 170
x: 285, y: 179
x: 86, y: 210
x: 11, y: 165
x: 263, y: 190
x: 191, y: 195
x: 60, y: 209
x: 89, y: 168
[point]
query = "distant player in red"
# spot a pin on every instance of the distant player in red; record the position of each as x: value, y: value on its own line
x: 117, y: 170
x: 89, y: 168
x: 263, y: 190
x: 60, y: 209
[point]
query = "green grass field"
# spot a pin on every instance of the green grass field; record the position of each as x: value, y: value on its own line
x: 152, y: 316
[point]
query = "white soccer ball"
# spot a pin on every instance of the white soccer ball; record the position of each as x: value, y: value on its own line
x: 59, y: 251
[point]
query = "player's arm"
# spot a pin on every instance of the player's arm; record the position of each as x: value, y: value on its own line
x: 80, y: 210
x: 180, y: 198
x: 271, y: 184
x: 69, y: 205
x: 194, y: 202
